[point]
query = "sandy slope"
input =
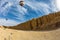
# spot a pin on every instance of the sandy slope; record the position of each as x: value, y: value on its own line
x: 9, y: 34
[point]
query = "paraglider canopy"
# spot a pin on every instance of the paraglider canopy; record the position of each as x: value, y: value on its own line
x: 21, y: 3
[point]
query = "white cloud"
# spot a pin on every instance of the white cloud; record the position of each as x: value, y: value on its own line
x: 58, y: 4
x: 33, y: 4
x: 8, y: 22
x: 42, y: 7
x: 4, y: 9
x: 22, y: 10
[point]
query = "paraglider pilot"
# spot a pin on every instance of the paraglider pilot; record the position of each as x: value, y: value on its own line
x: 21, y: 3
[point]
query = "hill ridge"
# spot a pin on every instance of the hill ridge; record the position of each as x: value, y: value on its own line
x: 39, y: 23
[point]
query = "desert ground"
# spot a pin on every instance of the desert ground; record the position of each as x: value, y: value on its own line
x: 10, y: 34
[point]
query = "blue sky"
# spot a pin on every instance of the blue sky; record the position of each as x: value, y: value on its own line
x: 16, y: 14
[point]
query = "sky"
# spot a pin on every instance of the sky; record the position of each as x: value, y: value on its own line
x: 12, y: 14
